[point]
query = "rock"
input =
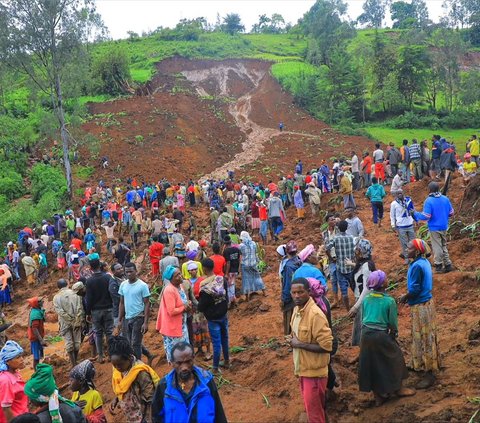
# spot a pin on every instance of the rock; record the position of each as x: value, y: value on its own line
x: 474, y: 332
x: 264, y: 307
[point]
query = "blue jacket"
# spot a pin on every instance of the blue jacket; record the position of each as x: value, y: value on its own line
x: 419, y: 281
x: 437, y: 209
x: 203, y: 404
x: 289, y: 269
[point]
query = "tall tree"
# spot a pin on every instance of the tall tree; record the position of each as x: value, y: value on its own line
x: 409, y: 15
x: 42, y: 38
x: 412, y: 69
x: 324, y: 24
x: 373, y: 13
x: 232, y: 24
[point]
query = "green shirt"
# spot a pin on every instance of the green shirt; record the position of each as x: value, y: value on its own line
x: 379, y: 311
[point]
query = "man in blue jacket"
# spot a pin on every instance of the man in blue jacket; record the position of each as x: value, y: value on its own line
x: 188, y: 393
x: 437, y: 210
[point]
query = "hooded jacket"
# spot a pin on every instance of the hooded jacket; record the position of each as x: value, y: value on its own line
x: 204, y: 405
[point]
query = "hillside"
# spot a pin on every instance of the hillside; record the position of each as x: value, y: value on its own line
x: 201, y: 117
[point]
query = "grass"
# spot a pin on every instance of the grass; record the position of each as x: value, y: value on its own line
x: 386, y: 135
x: 147, y: 51
x: 83, y: 172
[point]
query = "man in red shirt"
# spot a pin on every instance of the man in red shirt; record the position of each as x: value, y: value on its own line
x: 156, y: 254
x: 219, y: 261
x: 367, y: 169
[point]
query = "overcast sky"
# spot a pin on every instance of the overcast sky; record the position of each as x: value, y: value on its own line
x: 121, y: 16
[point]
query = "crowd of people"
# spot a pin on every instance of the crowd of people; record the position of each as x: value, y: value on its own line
x: 198, y: 273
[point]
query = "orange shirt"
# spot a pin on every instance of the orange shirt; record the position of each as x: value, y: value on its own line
x: 77, y: 243
x: 367, y: 164
x: 262, y: 213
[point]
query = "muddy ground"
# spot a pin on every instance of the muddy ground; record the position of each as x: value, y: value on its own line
x: 200, y: 118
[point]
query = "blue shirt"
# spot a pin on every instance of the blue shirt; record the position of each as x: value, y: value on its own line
x: 419, y: 281
x: 133, y: 296
x: 307, y: 270
x: 437, y: 209
x: 436, y: 150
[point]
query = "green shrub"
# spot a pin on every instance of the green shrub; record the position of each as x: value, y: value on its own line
x: 45, y: 179
x: 112, y: 71
x: 11, y: 183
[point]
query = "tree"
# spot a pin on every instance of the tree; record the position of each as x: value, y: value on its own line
x: 232, y: 23
x: 412, y: 68
x: 470, y: 89
x: 409, y: 15
x: 324, y: 24
x: 448, y: 47
x: 373, y: 13
x: 113, y: 71
x: 41, y: 38
x: 266, y: 25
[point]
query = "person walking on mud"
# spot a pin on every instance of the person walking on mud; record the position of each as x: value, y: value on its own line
x: 280, y: 126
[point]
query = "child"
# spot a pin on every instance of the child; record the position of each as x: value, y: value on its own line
x: 36, y: 330
x: 84, y: 393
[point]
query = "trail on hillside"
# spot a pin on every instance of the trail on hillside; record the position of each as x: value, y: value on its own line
x: 217, y: 80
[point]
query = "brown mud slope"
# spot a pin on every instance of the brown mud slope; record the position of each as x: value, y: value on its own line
x: 202, y: 116
x: 260, y: 386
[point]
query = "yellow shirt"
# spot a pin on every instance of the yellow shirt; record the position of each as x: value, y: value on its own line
x: 474, y: 147
x: 186, y: 273
x: 470, y: 167
x: 92, y: 398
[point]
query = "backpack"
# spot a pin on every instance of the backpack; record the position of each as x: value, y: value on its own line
x: 137, y: 198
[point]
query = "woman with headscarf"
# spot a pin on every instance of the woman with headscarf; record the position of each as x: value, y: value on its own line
x: 381, y: 367
x: 13, y: 401
x: 425, y: 352
x: 133, y: 382
x: 43, y: 393
x: 191, y: 258
x: 84, y: 393
x: 251, y: 278
x: 173, y: 310
x: 364, y: 265
x: 298, y: 202
x: 201, y: 337
x: 309, y: 268
x: 282, y: 257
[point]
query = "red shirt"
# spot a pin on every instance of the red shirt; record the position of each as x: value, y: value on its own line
x: 262, y: 212
x: 218, y: 264
x: 12, y: 395
x: 308, y: 179
x: 367, y: 164
x: 156, y: 252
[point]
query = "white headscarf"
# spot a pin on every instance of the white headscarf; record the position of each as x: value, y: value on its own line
x: 245, y: 236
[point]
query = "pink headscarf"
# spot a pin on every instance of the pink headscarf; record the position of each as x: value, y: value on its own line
x: 306, y: 252
x: 317, y: 292
x: 376, y: 279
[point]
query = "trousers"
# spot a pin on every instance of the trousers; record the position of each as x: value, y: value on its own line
x: 132, y: 330
x: 102, y: 322
x: 439, y: 248
x: 313, y: 393
x: 219, y: 335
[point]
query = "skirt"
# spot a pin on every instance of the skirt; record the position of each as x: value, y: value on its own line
x: 201, y: 336
x: 425, y: 351
x: 381, y: 367
x: 251, y: 280
x: 255, y: 223
x: 357, y: 328
x: 5, y: 296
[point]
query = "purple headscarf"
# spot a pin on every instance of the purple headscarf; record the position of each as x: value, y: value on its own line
x: 376, y: 280
x: 317, y: 292
x: 191, y: 255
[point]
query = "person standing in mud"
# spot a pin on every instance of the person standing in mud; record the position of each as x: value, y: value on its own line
x: 437, y: 210
x: 425, y: 352
x: 280, y: 126
x: 99, y: 306
x: 292, y: 263
x: 312, y: 346
x: 68, y: 305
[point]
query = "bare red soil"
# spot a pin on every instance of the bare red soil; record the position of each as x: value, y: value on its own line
x: 260, y: 386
